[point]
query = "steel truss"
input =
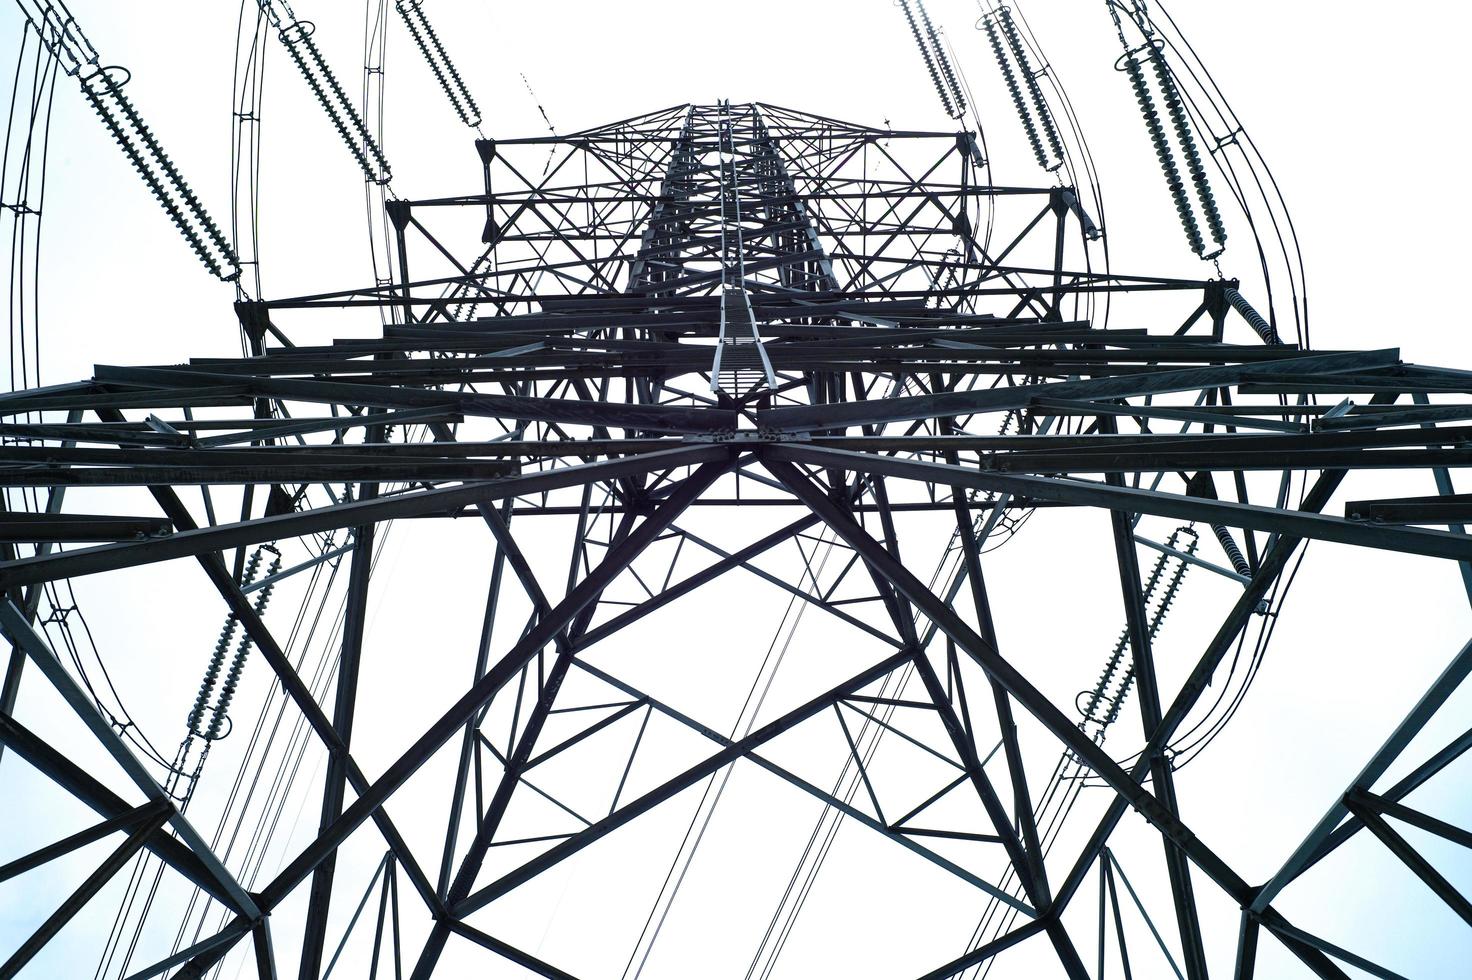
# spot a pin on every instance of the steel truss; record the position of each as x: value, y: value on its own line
x: 555, y: 350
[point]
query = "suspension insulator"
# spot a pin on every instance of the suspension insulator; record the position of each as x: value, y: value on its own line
x: 1176, y: 106
x: 232, y: 679
x: 222, y: 646
x: 1112, y: 668
x: 1254, y: 319
x: 1040, y: 104
x: 1229, y: 545
x: 940, y: 88
x: 212, y: 672
x: 957, y: 97
x: 1167, y: 159
x: 1158, y: 619
x: 953, y: 281
x: 160, y: 174
x: 945, y: 279
x: 1188, y: 548
x: 1015, y: 90
x: 297, y: 39
x: 1116, y: 656
x: 439, y: 61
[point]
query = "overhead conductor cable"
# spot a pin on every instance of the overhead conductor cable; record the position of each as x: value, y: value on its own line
x: 552, y: 151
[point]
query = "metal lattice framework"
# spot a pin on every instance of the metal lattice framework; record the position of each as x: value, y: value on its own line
x: 688, y: 315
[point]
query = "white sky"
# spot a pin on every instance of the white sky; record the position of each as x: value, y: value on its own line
x: 1359, y: 115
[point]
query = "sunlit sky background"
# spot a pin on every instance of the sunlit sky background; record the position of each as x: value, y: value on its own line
x: 1357, y: 107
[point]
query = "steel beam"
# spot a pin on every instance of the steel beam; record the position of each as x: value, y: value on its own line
x: 1125, y: 785
x: 373, y: 796
x: 88, y: 561
x: 1437, y: 544
x: 951, y: 404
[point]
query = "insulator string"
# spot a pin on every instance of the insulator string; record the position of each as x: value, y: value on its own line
x: 1189, y: 151
x: 428, y: 42
x: 1035, y: 91
x: 958, y: 98
x: 930, y: 66
x: 296, y: 37
x: 1163, y: 152
x: 1009, y: 76
x: 168, y: 186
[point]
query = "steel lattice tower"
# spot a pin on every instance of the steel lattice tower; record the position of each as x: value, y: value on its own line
x: 740, y: 320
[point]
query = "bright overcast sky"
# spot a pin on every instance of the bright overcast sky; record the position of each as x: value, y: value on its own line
x: 1357, y: 107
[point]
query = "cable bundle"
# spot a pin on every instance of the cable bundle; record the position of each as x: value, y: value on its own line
x: 297, y: 37
x: 439, y: 61
x: 936, y: 61
x: 159, y: 173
